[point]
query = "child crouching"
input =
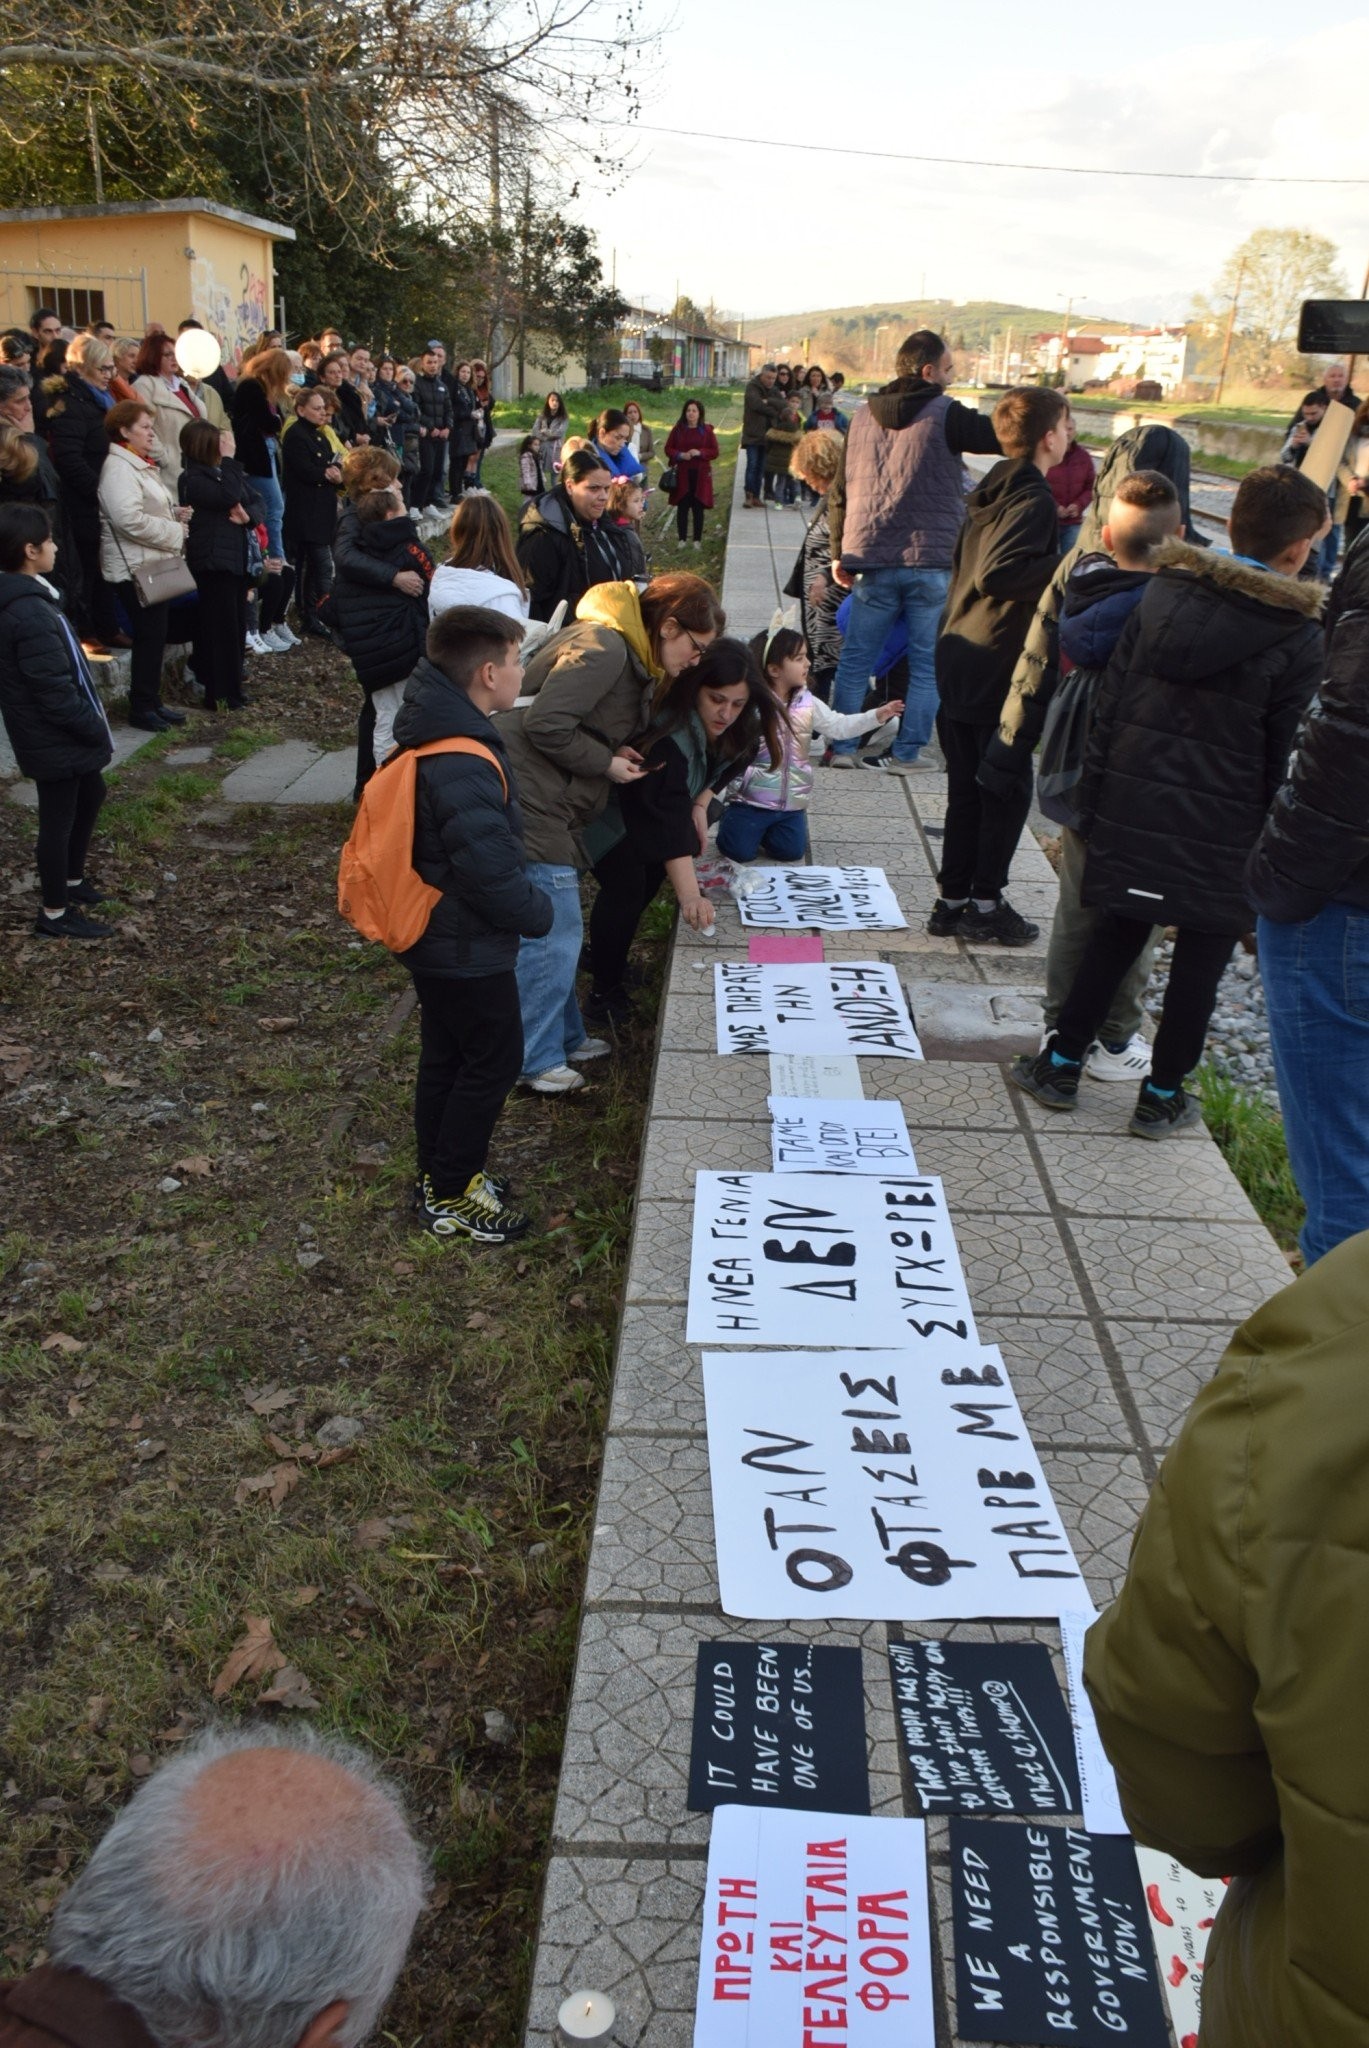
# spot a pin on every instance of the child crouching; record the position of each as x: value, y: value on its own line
x: 767, y: 805
x: 468, y: 842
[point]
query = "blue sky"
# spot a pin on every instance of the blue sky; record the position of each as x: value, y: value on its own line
x: 771, y: 230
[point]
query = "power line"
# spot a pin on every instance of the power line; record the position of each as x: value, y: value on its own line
x: 973, y: 163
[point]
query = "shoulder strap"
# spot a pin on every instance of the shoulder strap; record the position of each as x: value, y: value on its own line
x: 461, y: 746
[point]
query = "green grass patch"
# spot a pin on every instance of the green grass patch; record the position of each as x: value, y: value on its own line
x: 1249, y: 1131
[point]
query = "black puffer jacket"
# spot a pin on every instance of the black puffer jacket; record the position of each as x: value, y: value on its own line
x: 1314, y: 848
x: 1007, y: 551
x: 214, y: 542
x: 350, y: 418
x: 1350, y: 591
x: 383, y: 630
x: 468, y: 842
x: 48, y: 699
x: 1191, y: 735
x: 563, y: 555
x: 434, y: 402
x: 75, y: 422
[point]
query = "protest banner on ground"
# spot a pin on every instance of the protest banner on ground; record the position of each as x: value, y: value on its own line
x: 879, y: 1487
x: 1182, y: 1908
x: 983, y: 1728
x: 823, y: 1258
x: 829, y: 1006
x: 815, y: 1933
x: 779, y: 1724
x: 834, y: 1076
x: 839, y: 1137
x: 1098, y: 1787
x: 1050, y: 1938
x: 850, y: 899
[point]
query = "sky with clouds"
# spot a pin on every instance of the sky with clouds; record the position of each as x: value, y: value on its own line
x: 769, y: 229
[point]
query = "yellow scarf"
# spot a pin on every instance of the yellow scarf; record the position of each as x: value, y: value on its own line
x: 618, y: 606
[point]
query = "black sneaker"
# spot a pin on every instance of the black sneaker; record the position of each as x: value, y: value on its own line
x: 71, y: 926
x: 476, y: 1215
x: 498, y: 1185
x: 944, y: 921
x: 1001, y: 926
x: 1159, y: 1116
x: 83, y: 892
x: 169, y: 715
x: 1053, y: 1083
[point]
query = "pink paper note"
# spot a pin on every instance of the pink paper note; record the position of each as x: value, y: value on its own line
x: 784, y: 947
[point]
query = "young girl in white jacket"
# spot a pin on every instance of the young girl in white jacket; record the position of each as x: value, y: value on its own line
x: 482, y: 567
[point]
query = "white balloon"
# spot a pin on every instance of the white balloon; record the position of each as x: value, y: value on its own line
x: 197, y: 352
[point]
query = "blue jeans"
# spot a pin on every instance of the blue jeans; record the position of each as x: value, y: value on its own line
x: 881, y: 595
x: 1069, y: 535
x: 755, y: 469
x: 552, y: 1024
x: 1316, y: 982
x: 273, y: 498
x: 1330, y: 550
x: 745, y: 829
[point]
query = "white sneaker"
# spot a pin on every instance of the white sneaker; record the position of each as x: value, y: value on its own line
x: 255, y: 644
x: 278, y: 641
x: 1130, y: 1063
x: 844, y: 761
x: 591, y: 1049
x: 282, y: 632
x: 434, y: 511
x: 553, y: 1081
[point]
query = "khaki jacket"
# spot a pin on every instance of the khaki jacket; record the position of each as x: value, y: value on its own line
x: 593, y: 691
x: 137, y: 516
x: 1229, y: 1676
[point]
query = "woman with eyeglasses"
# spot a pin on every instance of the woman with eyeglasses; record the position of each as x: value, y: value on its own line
x: 591, y: 686
x: 159, y: 384
x: 74, y: 416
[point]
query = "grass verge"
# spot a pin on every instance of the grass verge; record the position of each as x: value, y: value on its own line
x: 1249, y: 1131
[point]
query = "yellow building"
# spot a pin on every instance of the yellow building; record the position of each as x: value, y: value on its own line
x: 163, y: 259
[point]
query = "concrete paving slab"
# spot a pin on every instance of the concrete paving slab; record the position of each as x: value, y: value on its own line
x: 956, y: 1022
x: 1166, y: 1365
x: 700, y: 1084
x: 653, y: 1527
x: 657, y: 1383
x: 263, y: 777
x: 985, y: 1171
x: 625, y: 1776
x: 675, y: 1150
x: 187, y: 757
x: 1016, y: 1265
x: 1061, y: 1379
x: 1093, y: 1175
x: 128, y: 740
x: 628, y: 1926
x: 329, y: 780
x: 1171, y: 1272
x: 946, y: 1096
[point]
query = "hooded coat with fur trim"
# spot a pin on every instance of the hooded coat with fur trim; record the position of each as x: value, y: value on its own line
x: 1191, y: 736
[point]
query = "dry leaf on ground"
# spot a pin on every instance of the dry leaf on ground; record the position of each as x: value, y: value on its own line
x: 270, y: 1399
x: 477, y: 1320
x: 277, y: 1484
x: 291, y: 1689
x: 279, y: 1024
x: 58, y: 1340
x: 196, y: 1164
x: 254, y: 1655
x: 375, y: 1533
x: 305, y: 1597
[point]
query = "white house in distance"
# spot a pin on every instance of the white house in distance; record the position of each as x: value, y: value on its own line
x: 1163, y: 355
x: 684, y: 352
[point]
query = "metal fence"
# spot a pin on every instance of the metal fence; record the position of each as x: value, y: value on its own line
x: 76, y: 296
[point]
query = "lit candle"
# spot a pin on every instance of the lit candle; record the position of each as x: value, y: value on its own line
x: 586, y: 2016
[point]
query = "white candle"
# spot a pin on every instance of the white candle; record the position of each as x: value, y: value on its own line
x: 586, y: 2016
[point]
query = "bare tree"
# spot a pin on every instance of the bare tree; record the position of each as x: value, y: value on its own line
x: 1266, y: 280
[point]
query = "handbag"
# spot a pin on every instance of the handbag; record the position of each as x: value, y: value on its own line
x: 669, y: 478
x: 158, y: 581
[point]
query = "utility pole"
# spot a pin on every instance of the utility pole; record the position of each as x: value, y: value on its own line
x: 1007, y: 358
x: 1065, y: 345
x: 1230, y: 330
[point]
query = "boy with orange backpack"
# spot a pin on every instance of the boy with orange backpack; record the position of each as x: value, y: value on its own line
x: 467, y: 844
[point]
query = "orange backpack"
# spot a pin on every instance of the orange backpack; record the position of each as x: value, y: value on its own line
x: 378, y: 888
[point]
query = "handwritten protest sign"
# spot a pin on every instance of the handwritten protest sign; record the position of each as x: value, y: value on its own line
x: 1101, y: 1808
x: 879, y: 1487
x: 822, y: 1258
x: 1182, y: 1908
x: 835, y: 1076
x: 1050, y: 1938
x: 821, y: 899
x: 815, y: 1931
x: 839, y: 1137
x: 983, y: 1728
x: 779, y: 1724
x: 831, y: 1006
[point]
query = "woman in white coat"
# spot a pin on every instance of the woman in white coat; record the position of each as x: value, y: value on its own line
x: 172, y: 400
x: 139, y: 522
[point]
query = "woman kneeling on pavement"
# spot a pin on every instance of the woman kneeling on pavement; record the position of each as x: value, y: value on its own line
x: 592, y: 686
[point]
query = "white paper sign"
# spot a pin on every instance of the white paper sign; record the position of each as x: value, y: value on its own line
x: 1102, y: 1809
x: 1182, y: 1908
x: 819, y: 1006
x: 839, y: 1137
x: 862, y: 1259
x: 833, y: 1074
x: 879, y: 1489
x: 821, y: 900
x: 815, y: 1931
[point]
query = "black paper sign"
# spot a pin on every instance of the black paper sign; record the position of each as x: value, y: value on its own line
x: 983, y: 1728
x: 779, y: 1724
x: 1051, y: 1938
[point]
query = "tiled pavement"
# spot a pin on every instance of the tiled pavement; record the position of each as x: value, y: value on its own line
x: 1111, y: 1273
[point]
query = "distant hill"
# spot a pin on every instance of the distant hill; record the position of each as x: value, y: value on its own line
x: 847, y: 338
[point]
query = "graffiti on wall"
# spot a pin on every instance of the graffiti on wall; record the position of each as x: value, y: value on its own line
x: 237, y: 316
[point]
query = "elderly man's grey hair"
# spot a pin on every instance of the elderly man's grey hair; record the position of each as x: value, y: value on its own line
x: 214, y: 1948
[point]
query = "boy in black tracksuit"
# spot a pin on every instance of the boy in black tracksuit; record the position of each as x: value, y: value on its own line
x: 1101, y: 594
x: 1007, y: 552
x: 1191, y: 734
x: 468, y: 842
